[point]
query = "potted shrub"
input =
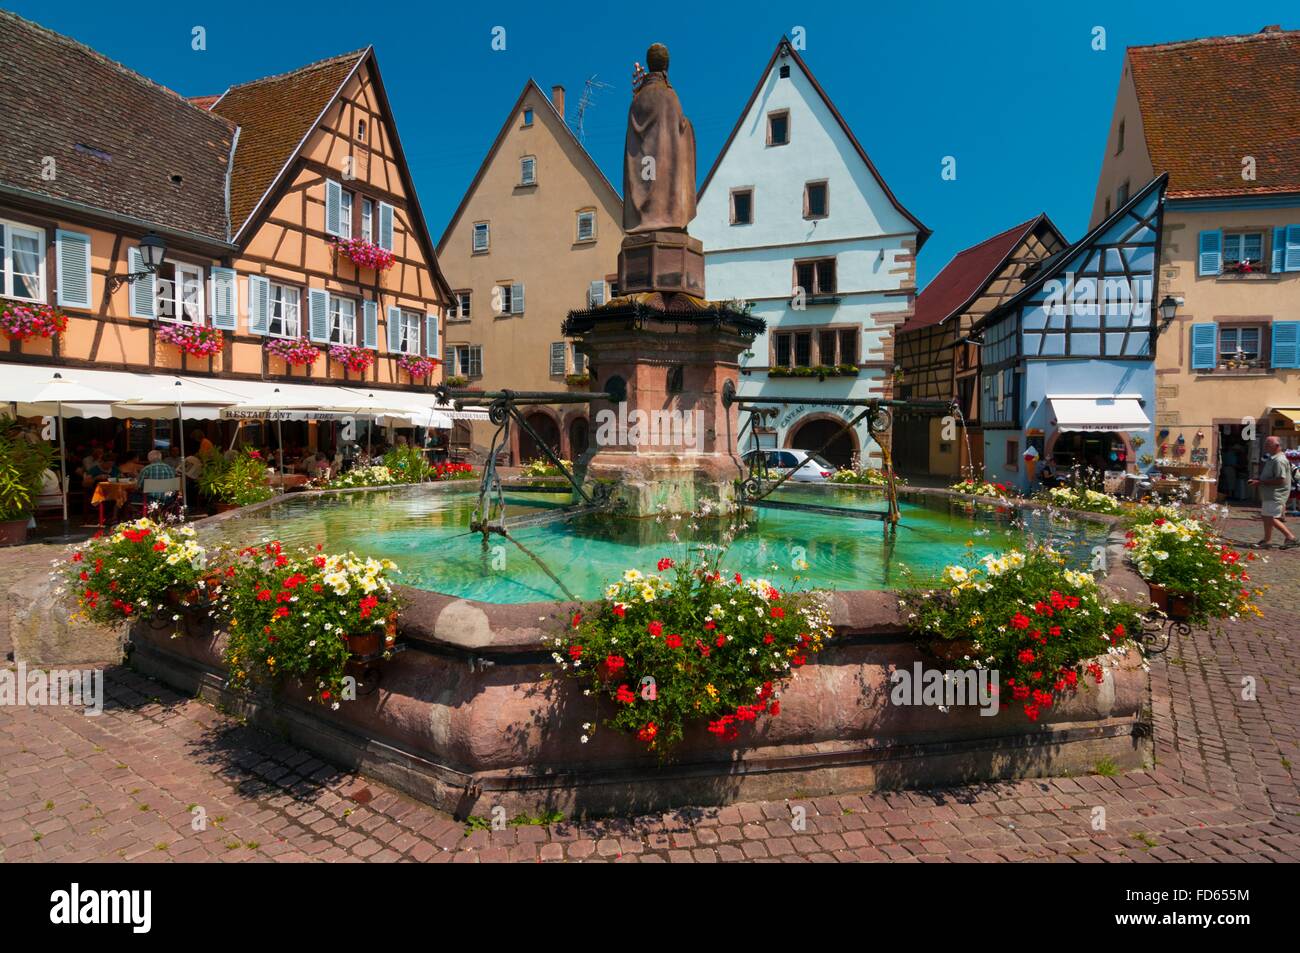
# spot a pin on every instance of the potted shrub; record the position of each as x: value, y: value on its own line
x: 305, y: 615
x: 23, y: 463
x: 230, y: 484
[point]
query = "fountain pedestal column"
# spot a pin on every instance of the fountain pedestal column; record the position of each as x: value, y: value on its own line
x: 671, y: 445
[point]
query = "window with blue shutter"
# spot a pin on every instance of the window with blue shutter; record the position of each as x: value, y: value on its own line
x: 394, y: 330
x: 385, y: 226
x: 1209, y: 259
x: 318, y: 308
x: 259, y: 304
x: 1291, y: 260
x: 142, y: 289
x: 225, y: 299
x: 431, y: 335
x: 72, y: 250
x: 1204, y: 344
x: 370, y: 324
x: 1286, y: 344
x: 1279, y: 251
x: 333, y: 207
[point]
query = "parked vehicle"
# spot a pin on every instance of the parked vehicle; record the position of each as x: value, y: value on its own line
x: 807, y: 467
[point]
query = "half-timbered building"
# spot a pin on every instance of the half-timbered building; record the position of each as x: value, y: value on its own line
x: 1066, y: 363
x: 938, y: 361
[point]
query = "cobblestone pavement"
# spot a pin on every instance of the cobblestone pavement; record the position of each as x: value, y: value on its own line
x: 127, y: 785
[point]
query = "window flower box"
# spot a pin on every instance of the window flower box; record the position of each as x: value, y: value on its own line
x: 577, y: 380
x: 417, y: 366
x: 456, y: 380
x: 819, y: 371
x: 192, y: 339
x: 365, y: 254
x: 20, y: 321
x: 296, y: 352
x: 355, y: 359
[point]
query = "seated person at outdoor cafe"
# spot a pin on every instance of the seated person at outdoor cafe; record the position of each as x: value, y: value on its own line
x: 1047, y: 473
x: 156, y: 470
x: 316, y: 465
x: 131, y: 466
x: 105, y: 468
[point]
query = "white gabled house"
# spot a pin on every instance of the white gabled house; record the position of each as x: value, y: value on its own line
x: 793, y: 203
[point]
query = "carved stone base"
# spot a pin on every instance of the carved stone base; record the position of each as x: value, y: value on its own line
x: 661, y: 261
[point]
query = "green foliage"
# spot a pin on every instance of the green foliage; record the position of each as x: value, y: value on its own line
x: 23, y: 463
x: 859, y: 477
x: 408, y: 465
x: 1027, y: 616
x: 241, y: 480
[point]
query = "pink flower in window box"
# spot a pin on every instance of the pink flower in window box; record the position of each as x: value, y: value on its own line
x: 417, y: 366
x: 355, y: 359
x: 365, y: 254
x: 20, y: 321
x: 192, y: 339
x: 297, y: 352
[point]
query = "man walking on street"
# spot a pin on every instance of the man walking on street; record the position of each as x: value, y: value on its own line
x: 1275, y: 485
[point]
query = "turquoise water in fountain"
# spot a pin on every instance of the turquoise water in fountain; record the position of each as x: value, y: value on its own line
x: 426, y: 534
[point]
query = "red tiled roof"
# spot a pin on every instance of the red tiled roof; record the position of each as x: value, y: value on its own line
x: 203, y: 102
x: 1208, y: 103
x: 103, y: 125
x: 963, y: 278
x: 274, y: 115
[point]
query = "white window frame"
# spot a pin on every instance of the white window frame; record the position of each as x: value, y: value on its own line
x: 528, y: 170
x: 410, y: 333
x: 346, y: 199
x: 171, y: 308
x: 487, y: 237
x: 7, y: 259
x: 276, y: 304
x: 368, y: 219
x: 1240, y: 238
x: 343, y: 328
x: 1235, y: 330
x: 464, y: 305
x: 589, y: 214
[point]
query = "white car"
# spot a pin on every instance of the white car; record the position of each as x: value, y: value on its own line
x: 807, y: 467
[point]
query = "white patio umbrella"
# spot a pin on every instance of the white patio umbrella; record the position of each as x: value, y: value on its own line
x: 59, y: 390
x: 178, y: 392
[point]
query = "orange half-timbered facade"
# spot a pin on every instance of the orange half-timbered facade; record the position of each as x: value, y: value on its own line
x: 289, y: 216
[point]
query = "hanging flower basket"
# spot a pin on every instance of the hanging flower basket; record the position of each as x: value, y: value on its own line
x: 21, y: 321
x: 417, y: 366
x: 297, y: 352
x: 192, y: 339
x: 355, y: 359
x: 365, y: 254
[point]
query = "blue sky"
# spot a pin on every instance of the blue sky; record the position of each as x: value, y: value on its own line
x: 1015, y: 93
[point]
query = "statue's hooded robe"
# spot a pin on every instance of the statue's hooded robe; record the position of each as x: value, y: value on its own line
x: 656, y: 127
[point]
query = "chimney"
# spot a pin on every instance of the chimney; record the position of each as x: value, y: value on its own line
x: 557, y: 99
x: 1272, y: 28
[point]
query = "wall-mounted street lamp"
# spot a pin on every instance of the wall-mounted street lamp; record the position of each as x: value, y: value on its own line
x: 152, y: 252
x: 1168, y: 309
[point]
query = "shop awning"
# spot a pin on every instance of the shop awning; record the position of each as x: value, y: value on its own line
x: 1098, y: 413
x: 1290, y: 413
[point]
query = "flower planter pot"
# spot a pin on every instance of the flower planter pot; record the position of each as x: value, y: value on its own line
x: 1159, y: 596
x: 1180, y: 607
x: 13, y: 532
x: 363, y: 645
x: 390, y: 632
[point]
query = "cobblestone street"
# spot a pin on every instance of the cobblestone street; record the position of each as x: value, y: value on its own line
x: 128, y: 784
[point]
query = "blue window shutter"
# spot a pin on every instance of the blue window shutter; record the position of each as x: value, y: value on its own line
x: 1209, y: 260
x: 1286, y: 344
x: 431, y: 335
x: 333, y: 207
x: 394, y: 330
x: 73, y: 257
x: 1205, y: 339
x: 259, y: 304
x: 385, y: 226
x: 141, y: 293
x: 225, y: 299
x: 370, y: 324
x: 319, y: 312
x: 1291, y: 262
x: 1279, y: 251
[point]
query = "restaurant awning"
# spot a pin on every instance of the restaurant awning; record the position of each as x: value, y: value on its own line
x: 154, y: 396
x: 1098, y: 413
x: 1290, y: 413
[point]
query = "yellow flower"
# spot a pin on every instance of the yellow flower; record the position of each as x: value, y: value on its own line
x: 713, y: 692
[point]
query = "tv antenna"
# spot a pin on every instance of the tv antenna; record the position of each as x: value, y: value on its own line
x: 588, y: 99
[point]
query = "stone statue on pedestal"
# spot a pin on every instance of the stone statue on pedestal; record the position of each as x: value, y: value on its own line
x: 659, y: 165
